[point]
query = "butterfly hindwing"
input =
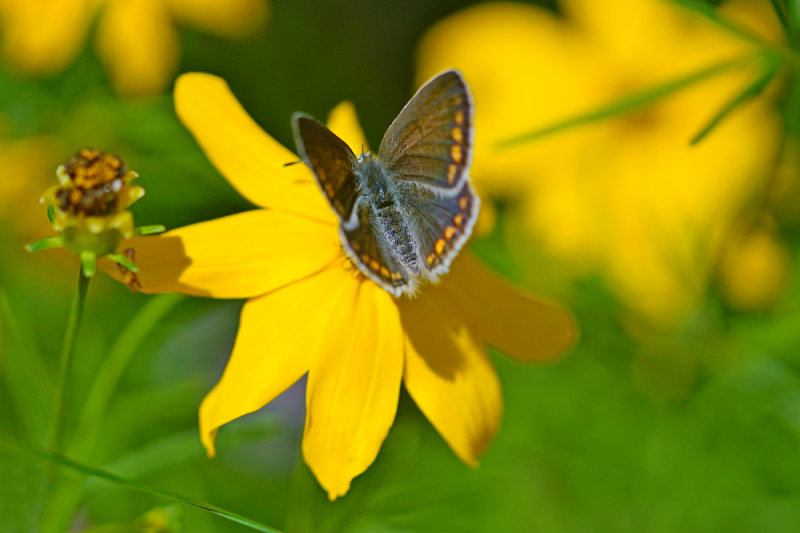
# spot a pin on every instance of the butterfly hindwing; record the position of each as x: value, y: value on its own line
x: 442, y: 223
x: 369, y: 248
x: 331, y: 161
x: 430, y: 141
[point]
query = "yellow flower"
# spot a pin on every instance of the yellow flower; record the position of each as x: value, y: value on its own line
x: 135, y: 38
x: 310, y: 311
x: 627, y: 197
x: 27, y: 167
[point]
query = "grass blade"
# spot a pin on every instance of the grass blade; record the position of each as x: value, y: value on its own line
x: 626, y: 104
x: 709, y: 11
x: 749, y: 92
x: 107, y: 378
x: 783, y: 17
x: 25, y: 373
x: 11, y: 442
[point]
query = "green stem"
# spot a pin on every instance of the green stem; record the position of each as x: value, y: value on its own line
x: 75, y: 314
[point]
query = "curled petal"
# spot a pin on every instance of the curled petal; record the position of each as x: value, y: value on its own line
x: 227, y: 18
x: 522, y: 327
x: 239, y: 256
x: 343, y: 121
x: 450, y: 377
x: 279, y: 337
x: 42, y: 36
x: 353, y: 386
x: 250, y: 160
x: 138, y: 44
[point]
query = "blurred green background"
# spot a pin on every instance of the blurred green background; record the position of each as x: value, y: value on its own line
x: 642, y: 427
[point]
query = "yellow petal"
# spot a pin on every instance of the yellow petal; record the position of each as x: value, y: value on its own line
x: 279, y: 337
x: 343, y: 121
x: 450, y: 377
x: 227, y: 18
x: 251, y: 160
x: 239, y: 256
x: 138, y: 45
x: 353, y: 387
x: 522, y: 327
x: 43, y: 36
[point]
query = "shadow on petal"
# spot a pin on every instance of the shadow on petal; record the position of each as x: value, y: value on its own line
x: 161, y: 261
x: 523, y: 327
x: 450, y: 377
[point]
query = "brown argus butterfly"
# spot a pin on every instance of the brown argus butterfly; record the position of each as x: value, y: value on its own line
x: 406, y: 212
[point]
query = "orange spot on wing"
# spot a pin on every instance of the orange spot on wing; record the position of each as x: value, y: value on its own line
x: 374, y: 265
x: 452, y: 169
x: 458, y: 135
x: 384, y: 272
x: 431, y: 258
x: 456, y: 153
x: 439, y: 246
x: 458, y: 219
x: 459, y: 117
x: 449, y: 231
x: 463, y: 202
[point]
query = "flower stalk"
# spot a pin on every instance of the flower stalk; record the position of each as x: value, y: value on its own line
x: 67, y: 350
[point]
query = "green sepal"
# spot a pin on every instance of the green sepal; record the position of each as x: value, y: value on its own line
x: 149, y: 230
x: 44, y: 244
x: 124, y: 261
x: 88, y: 262
x: 51, y: 213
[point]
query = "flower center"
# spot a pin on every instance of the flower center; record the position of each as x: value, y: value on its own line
x: 90, y: 183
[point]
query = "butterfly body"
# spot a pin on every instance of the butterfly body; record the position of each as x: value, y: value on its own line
x: 406, y: 211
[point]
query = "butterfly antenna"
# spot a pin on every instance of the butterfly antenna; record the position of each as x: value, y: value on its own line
x: 290, y: 163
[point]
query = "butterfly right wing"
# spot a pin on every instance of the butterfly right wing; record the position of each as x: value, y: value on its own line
x: 331, y: 161
x: 430, y: 141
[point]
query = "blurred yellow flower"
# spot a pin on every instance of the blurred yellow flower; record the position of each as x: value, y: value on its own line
x: 628, y: 196
x: 27, y: 169
x: 755, y: 267
x: 310, y: 310
x: 135, y: 38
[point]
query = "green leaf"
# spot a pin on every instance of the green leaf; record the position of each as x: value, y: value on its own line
x: 44, y: 244
x: 124, y: 261
x: 626, y: 104
x: 15, y: 444
x: 149, y: 230
x: 710, y: 12
x: 750, y: 91
x: 783, y: 16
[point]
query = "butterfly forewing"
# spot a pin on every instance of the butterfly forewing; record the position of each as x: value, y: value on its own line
x: 430, y: 141
x: 331, y: 160
x: 442, y: 222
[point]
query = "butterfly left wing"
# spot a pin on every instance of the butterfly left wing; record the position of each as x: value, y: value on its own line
x: 371, y: 251
x: 442, y: 222
x: 331, y: 161
x: 430, y: 141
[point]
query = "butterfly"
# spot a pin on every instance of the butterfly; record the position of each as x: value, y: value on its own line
x: 406, y: 212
